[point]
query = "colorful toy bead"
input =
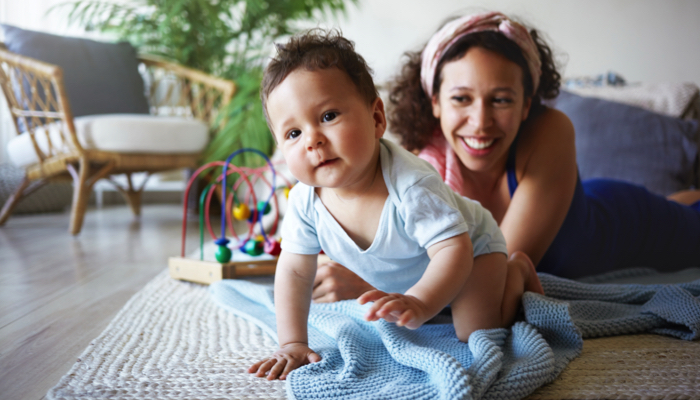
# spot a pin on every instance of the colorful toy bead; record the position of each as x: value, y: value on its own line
x: 253, y: 216
x: 286, y: 193
x: 253, y: 247
x: 273, y: 248
x: 223, y: 253
x: 262, y: 207
x: 241, y: 212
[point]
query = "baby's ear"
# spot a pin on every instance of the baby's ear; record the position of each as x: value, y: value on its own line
x: 379, y: 117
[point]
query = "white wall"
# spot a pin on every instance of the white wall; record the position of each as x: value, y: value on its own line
x: 643, y: 40
x: 35, y: 15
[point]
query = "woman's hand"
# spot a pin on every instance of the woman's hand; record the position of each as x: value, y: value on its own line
x: 334, y: 282
x: 288, y: 358
x: 398, y: 308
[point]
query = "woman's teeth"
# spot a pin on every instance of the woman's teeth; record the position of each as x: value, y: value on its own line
x: 478, y: 144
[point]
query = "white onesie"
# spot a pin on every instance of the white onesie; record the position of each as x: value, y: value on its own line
x: 420, y: 211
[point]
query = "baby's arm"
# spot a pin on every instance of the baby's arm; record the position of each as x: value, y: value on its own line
x: 293, y: 284
x: 451, y: 262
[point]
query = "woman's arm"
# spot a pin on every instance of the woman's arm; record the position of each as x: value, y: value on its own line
x: 546, y: 171
x: 334, y: 282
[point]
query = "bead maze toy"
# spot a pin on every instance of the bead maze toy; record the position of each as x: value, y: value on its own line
x: 256, y: 253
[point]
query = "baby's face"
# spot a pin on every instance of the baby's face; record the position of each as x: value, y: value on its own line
x: 328, y: 134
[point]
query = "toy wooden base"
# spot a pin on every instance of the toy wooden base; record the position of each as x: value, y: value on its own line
x: 207, y: 272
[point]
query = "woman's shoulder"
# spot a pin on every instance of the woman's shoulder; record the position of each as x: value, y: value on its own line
x: 549, y: 131
x: 546, y: 147
x: 549, y: 122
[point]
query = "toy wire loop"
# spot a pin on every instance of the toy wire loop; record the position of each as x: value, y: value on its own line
x: 249, y: 176
x: 257, y: 213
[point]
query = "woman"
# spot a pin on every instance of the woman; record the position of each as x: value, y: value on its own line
x: 470, y: 102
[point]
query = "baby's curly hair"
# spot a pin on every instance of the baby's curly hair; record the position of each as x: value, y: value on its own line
x: 410, y: 112
x: 313, y: 50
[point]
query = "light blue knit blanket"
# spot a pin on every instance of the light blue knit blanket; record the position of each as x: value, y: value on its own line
x: 364, y: 360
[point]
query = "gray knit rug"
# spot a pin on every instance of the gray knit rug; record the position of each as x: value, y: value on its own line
x: 644, y: 367
x: 170, y: 341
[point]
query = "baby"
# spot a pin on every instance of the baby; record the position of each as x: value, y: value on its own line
x: 373, y: 207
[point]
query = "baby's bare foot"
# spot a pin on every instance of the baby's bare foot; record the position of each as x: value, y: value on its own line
x: 532, y: 281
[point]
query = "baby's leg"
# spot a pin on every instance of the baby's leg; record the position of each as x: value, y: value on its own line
x: 492, y: 294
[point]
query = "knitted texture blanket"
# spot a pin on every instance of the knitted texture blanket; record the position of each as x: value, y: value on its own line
x: 363, y: 359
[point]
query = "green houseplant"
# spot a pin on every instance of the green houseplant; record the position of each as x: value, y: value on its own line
x: 226, y: 38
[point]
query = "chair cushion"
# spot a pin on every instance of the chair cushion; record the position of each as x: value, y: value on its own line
x: 100, y: 78
x: 619, y: 141
x: 123, y: 133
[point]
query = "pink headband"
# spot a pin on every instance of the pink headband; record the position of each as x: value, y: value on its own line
x: 492, y: 21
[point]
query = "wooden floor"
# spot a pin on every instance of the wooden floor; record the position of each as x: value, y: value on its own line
x: 58, y: 292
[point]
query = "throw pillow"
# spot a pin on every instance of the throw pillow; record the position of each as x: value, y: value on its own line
x: 619, y: 141
x: 100, y: 78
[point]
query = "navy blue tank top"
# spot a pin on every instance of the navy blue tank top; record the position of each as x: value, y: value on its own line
x: 613, y: 224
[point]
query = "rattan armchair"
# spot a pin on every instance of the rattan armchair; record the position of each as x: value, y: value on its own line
x: 172, y: 90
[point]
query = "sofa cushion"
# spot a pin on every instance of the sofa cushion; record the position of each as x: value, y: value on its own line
x: 123, y: 133
x: 100, y: 78
x: 619, y: 141
x: 668, y: 98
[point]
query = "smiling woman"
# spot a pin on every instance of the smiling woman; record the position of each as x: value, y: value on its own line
x: 494, y: 141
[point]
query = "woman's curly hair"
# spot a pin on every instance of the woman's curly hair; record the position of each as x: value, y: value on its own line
x: 410, y: 112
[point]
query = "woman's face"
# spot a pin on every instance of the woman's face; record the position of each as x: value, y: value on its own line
x: 480, y: 106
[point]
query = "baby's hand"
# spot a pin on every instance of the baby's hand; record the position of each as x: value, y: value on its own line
x: 288, y: 358
x: 404, y: 310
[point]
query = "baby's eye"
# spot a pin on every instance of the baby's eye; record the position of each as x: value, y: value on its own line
x: 294, y: 134
x: 329, y: 116
x: 460, y: 99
